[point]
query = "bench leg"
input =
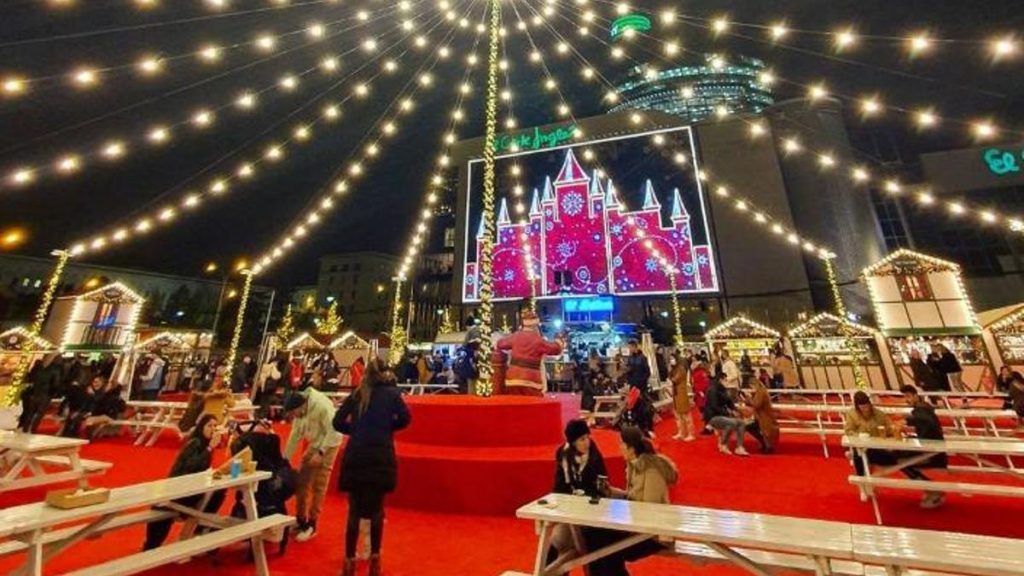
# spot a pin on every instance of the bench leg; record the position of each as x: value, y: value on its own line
x: 251, y: 513
x: 822, y: 566
x: 543, y: 543
x: 738, y: 559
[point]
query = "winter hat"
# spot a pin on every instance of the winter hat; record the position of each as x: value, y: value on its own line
x: 529, y: 319
x: 294, y: 401
x: 575, y: 430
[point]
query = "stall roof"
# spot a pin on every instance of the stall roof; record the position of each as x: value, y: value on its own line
x: 173, y: 338
x: 740, y: 327
x: 450, y: 338
x: 305, y: 340
x: 884, y: 266
x: 350, y: 335
x: 1001, y: 317
x: 14, y: 338
x: 827, y: 325
x: 130, y: 294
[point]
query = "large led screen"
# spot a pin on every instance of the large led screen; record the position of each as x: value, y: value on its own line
x: 595, y: 219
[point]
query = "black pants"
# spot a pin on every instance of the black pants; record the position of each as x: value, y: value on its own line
x: 367, y: 504
x: 886, y: 458
x: 156, y: 532
x: 615, y: 564
x: 33, y: 408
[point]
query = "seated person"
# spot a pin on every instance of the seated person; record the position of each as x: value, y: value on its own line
x: 926, y: 426
x: 721, y: 414
x: 579, y: 470
x: 80, y: 403
x: 648, y: 477
x: 108, y: 407
x: 1016, y: 392
x: 765, y: 427
x: 195, y: 456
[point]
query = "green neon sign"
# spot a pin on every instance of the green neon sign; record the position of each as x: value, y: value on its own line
x: 1002, y: 162
x: 534, y: 140
x: 634, y: 22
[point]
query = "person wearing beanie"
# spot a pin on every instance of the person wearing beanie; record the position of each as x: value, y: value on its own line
x: 527, y: 349
x: 312, y: 420
x: 578, y: 462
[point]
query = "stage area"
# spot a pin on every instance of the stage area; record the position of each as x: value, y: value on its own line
x: 797, y: 481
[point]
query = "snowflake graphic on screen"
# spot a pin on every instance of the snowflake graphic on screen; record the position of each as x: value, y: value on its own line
x: 617, y: 230
x: 688, y: 269
x: 617, y: 261
x: 572, y: 203
x: 509, y: 276
x: 566, y: 249
x: 583, y: 274
x: 651, y: 265
x: 470, y: 280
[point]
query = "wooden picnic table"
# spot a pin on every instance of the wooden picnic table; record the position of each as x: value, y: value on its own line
x: 28, y: 460
x: 42, y: 532
x: 985, y: 455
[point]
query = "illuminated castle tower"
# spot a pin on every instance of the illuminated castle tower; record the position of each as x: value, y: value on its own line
x: 582, y: 241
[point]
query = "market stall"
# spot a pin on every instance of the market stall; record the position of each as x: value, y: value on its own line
x: 15, y: 344
x: 741, y: 335
x: 827, y: 348
x: 178, y: 349
x: 920, y: 303
x: 1003, y: 334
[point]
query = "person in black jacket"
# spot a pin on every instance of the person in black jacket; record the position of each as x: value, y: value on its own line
x: 925, y: 375
x: 926, y: 426
x: 369, y: 468
x: 35, y: 399
x: 638, y: 371
x: 81, y: 401
x: 195, y: 456
x: 578, y: 462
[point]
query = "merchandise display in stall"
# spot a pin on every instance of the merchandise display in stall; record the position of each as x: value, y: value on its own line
x: 920, y: 302
x: 1003, y: 332
x: 14, y: 345
x: 741, y: 335
x: 827, y: 348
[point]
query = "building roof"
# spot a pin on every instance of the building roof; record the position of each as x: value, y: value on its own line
x: 740, y: 327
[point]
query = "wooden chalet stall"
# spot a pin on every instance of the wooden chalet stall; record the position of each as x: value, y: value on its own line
x: 15, y: 345
x: 178, y: 349
x: 1003, y: 333
x: 823, y: 355
x: 741, y: 334
x: 919, y: 301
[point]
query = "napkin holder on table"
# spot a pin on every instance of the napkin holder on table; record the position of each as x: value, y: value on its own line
x: 69, y: 498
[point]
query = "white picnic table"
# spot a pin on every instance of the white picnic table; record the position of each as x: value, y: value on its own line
x: 41, y: 531
x: 28, y: 460
x: 845, y: 395
x: 899, y: 550
x: 985, y: 455
x: 150, y: 418
x: 417, y: 389
x: 721, y: 530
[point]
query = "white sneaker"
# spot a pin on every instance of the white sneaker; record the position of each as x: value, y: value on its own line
x: 306, y: 534
x: 741, y: 451
x: 724, y: 449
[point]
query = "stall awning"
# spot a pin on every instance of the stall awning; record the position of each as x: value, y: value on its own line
x: 741, y: 327
x: 348, y: 339
x: 19, y: 339
x: 827, y: 325
x: 1000, y: 317
x: 164, y: 340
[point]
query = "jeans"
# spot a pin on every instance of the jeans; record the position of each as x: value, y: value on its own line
x: 312, y: 485
x: 726, y: 426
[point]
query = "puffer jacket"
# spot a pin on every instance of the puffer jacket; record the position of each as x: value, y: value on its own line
x: 648, y: 478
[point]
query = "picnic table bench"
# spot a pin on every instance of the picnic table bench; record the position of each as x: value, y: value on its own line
x: 979, y: 452
x: 41, y: 532
x: 28, y: 460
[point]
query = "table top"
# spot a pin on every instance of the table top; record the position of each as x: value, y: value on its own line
x: 20, y: 442
x: 157, y: 404
x: 39, y: 515
x: 793, y: 535
x: 990, y: 413
x: 942, y: 551
x: 852, y: 391
x: 1008, y: 448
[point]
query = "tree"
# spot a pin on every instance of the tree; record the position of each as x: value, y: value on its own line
x: 446, y: 326
x: 331, y: 323
x: 287, y: 328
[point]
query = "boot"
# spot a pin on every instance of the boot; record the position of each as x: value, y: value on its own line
x: 374, y: 565
x: 349, y: 568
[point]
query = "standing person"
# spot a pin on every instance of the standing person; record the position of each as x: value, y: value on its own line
x: 423, y: 372
x: 36, y: 398
x: 313, y: 414
x: 648, y: 478
x: 526, y: 350
x: 926, y: 426
x: 153, y: 379
x: 746, y: 366
x: 240, y: 379
x: 356, y: 372
x: 785, y: 370
x: 680, y: 378
x: 369, y: 468
x: 721, y: 414
x: 923, y: 374
x: 949, y: 366
x: 701, y: 383
x: 1016, y: 393
x: 195, y: 456
x: 934, y: 361
x: 730, y: 374
x: 638, y: 370
x: 766, y: 426
x: 661, y: 361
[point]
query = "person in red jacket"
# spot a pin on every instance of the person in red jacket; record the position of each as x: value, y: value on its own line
x: 527, y: 349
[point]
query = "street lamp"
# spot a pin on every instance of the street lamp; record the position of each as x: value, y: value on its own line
x: 212, y: 268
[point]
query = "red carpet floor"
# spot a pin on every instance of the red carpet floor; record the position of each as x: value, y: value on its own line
x: 797, y: 481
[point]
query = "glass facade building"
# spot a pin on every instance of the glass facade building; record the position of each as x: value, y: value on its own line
x: 696, y: 91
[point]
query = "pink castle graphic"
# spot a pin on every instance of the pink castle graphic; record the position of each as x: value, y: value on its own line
x: 582, y: 244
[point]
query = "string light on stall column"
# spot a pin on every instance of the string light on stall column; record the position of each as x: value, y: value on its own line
x: 236, y: 336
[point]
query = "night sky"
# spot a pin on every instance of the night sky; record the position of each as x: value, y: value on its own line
x: 54, y: 118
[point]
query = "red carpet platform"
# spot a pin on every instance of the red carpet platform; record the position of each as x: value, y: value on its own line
x: 469, y: 455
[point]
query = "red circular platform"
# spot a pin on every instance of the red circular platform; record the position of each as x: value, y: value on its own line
x: 467, y: 455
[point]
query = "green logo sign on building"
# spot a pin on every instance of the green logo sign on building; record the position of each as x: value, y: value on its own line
x: 1002, y: 162
x: 634, y: 22
x: 535, y: 139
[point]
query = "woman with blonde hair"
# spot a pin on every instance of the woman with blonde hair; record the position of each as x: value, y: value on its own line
x: 680, y: 378
x: 369, y: 469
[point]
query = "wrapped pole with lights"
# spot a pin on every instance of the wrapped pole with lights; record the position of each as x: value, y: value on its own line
x: 484, y: 388
x: 677, y: 312
x: 397, y: 329
x: 18, y: 378
x: 851, y: 346
x: 236, y: 337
